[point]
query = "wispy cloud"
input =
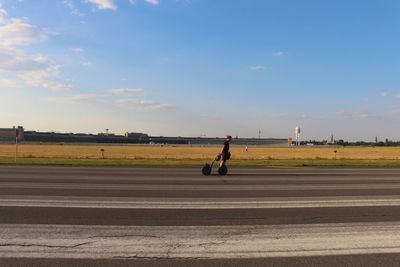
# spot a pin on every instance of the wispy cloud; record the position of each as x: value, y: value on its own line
x: 9, y: 83
x: 69, y: 4
x: 33, y: 69
x: 87, y: 63
x: 278, y: 53
x: 138, y: 103
x: 397, y: 96
x: 15, y: 60
x: 153, y: 2
x: 257, y: 67
x: 394, y: 111
x: 46, y: 78
x: 294, y: 116
x: 77, y: 49
x: 279, y: 115
x: 119, y: 97
x: 125, y: 91
x: 81, y: 98
x: 3, y: 15
x: 103, y: 4
x: 384, y: 94
x: 19, y: 32
x: 73, y: 99
x: 354, y: 113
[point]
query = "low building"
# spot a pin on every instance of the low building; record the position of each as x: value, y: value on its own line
x: 218, y: 141
x: 8, y: 135
x: 53, y: 137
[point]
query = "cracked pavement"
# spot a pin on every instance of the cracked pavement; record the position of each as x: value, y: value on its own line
x: 201, y: 242
x: 59, y: 214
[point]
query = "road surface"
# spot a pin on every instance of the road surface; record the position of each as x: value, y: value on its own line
x: 82, y: 216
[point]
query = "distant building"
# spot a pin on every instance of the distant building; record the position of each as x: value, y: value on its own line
x: 8, y: 135
x: 218, y: 141
x: 52, y: 137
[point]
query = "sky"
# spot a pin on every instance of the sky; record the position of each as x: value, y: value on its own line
x: 202, y: 67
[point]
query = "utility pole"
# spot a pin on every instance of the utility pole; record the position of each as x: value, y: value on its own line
x: 16, y: 145
x: 259, y: 133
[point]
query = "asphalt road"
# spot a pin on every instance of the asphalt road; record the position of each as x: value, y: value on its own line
x: 76, y: 216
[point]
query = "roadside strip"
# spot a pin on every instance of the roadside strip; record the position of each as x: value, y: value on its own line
x: 197, y: 242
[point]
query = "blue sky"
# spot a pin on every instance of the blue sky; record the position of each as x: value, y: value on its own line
x: 202, y: 67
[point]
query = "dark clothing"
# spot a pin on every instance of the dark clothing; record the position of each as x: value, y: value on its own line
x: 226, y: 155
x: 225, y: 151
x: 226, y: 147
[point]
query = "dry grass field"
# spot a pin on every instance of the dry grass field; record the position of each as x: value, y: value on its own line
x: 187, y: 152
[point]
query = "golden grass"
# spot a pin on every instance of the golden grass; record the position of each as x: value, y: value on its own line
x: 188, y: 152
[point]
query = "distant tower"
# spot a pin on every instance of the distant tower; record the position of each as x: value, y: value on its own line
x: 332, y: 139
x: 297, y: 132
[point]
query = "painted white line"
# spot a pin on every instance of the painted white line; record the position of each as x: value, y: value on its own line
x: 255, y: 204
x: 71, y: 177
x: 63, y: 241
x: 289, y: 187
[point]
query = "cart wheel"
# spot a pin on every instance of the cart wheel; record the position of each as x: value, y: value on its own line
x: 206, y: 169
x: 223, y: 170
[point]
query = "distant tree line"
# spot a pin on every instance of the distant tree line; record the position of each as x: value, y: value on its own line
x: 342, y: 142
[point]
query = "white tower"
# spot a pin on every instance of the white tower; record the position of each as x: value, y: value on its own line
x: 297, y: 132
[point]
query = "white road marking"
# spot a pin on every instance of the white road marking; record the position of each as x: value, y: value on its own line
x: 290, y: 187
x: 185, y: 204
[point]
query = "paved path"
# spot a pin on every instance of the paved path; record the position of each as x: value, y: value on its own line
x: 69, y: 216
